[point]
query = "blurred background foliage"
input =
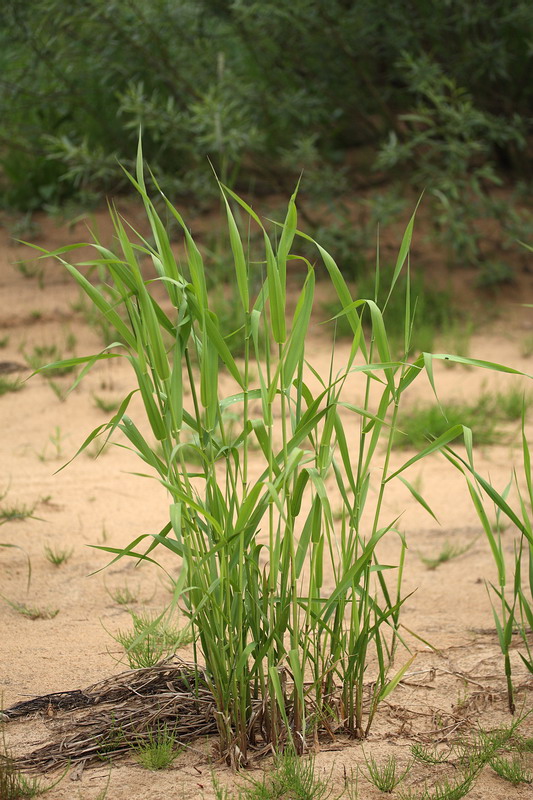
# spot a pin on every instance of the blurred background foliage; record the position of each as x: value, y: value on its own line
x: 435, y: 95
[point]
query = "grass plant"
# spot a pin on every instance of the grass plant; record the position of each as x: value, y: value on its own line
x: 107, y: 405
x: 151, y: 639
x: 12, y: 513
x: 429, y: 755
x: 4, y: 341
x: 512, y: 770
x: 158, y: 749
x: 527, y: 346
x: 13, y: 784
x: 61, y: 392
x: 30, y: 270
x: 40, y: 357
x: 513, y: 605
x: 32, y: 612
x: 10, y: 385
x: 386, y: 776
x: 56, y: 440
x: 447, y: 553
x: 123, y: 595
x: 482, y: 417
x: 291, y: 776
x: 443, y: 789
x: 254, y: 547
x: 57, y: 556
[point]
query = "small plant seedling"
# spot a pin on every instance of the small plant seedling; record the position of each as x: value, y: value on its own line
x: 385, y: 776
x: 57, y: 557
x: 70, y: 341
x: 158, y: 750
x: 13, y: 513
x: 512, y: 770
x: 442, y: 790
x: 30, y: 269
x: 292, y: 776
x: 55, y: 439
x: 41, y: 355
x: 59, y: 391
x: 429, y: 755
x: 421, y: 423
x: 32, y: 612
x: 527, y: 346
x: 4, y: 341
x: 151, y: 639
x: 13, y: 784
x: 9, y: 385
x: 351, y: 784
x: 447, y: 553
x: 123, y: 595
x: 104, y: 404
x: 36, y: 314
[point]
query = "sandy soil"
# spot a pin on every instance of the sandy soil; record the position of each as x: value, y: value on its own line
x: 453, y: 688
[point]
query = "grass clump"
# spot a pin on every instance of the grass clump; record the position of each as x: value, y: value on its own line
x: 292, y: 776
x: 428, y: 755
x: 447, y: 553
x: 482, y: 417
x: 443, y: 789
x: 105, y: 404
x: 13, y: 784
x: 57, y: 556
x: 13, y: 513
x: 253, y: 546
x: 10, y: 385
x: 386, y: 776
x: 158, y: 749
x: 512, y: 770
x: 151, y: 639
x: 32, y: 612
x: 434, y: 312
x: 123, y: 595
x: 43, y: 355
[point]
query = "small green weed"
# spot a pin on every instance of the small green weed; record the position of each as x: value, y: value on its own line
x: 292, y: 777
x: 106, y: 405
x: 9, y: 385
x: 71, y: 340
x: 123, y: 595
x: 4, y: 341
x: 41, y: 355
x: 15, y: 512
x: 512, y: 770
x: 151, y: 639
x: 56, y: 440
x: 158, y: 749
x: 442, y: 790
x: 32, y: 612
x: 60, y: 391
x: 447, y: 553
x: 429, y: 755
x: 13, y: 784
x: 527, y: 346
x: 30, y: 270
x: 57, y: 556
x: 482, y: 416
x: 386, y: 776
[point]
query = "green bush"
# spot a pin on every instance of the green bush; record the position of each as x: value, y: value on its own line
x: 274, y: 86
